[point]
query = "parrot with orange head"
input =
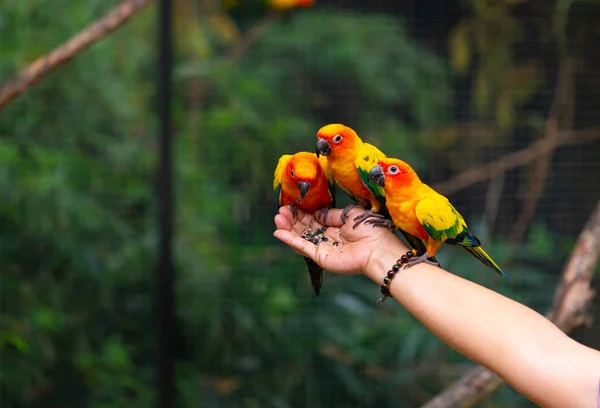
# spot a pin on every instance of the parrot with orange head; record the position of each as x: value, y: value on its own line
x: 305, y: 182
x: 350, y: 160
x: 424, y: 213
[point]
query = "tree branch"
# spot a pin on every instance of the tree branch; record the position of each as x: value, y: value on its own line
x: 485, y: 172
x: 560, y: 116
x: 568, y: 311
x: 63, y: 53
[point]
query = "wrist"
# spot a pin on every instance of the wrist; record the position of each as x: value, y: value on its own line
x: 383, y: 258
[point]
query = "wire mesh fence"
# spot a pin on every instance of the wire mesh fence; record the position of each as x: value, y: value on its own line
x: 493, y: 103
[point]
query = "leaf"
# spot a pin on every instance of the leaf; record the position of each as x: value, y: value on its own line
x: 17, y: 341
x: 460, y: 47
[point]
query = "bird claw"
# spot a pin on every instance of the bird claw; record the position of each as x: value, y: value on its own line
x: 419, y: 259
x: 389, y: 224
x: 294, y: 209
x: 364, y: 216
x: 322, y: 215
x: 344, y: 216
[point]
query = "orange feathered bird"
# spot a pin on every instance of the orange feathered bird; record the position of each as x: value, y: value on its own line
x: 305, y: 182
x: 423, y: 212
x: 350, y: 160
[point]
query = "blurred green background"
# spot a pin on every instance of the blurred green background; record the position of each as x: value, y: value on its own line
x: 445, y: 85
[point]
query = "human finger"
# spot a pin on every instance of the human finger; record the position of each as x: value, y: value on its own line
x: 333, y: 218
x: 297, y: 243
x: 282, y: 223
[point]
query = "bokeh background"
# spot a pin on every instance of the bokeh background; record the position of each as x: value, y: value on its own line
x: 446, y: 85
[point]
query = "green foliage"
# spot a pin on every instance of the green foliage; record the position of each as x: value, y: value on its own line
x: 77, y: 325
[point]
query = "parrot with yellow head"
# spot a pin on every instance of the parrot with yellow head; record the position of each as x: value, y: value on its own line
x: 350, y: 160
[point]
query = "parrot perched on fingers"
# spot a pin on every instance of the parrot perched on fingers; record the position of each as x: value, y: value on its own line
x: 423, y: 212
x: 305, y: 182
x: 350, y: 160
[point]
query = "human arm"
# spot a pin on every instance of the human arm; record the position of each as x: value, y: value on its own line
x: 517, y: 343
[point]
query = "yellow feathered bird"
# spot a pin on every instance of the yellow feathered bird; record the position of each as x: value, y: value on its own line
x: 423, y: 212
x: 350, y: 160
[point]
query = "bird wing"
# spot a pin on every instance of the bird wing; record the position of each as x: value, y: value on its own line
x: 368, y: 156
x: 278, y: 175
x: 442, y: 222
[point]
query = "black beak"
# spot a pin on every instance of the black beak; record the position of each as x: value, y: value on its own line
x: 376, y: 174
x: 303, y: 186
x: 323, y: 147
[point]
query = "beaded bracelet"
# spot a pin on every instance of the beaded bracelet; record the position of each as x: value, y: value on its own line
x: 385, y: 290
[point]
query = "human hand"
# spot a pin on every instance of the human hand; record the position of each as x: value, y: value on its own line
x: 356, y: 249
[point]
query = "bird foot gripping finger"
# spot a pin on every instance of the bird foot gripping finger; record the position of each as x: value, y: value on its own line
x: 421, y: 258
x: 344, y: 216
x: 294, y: 209
x: 364, y: 216
x: 322, y: 215
x: 385, y: 288
x: 389, y: 224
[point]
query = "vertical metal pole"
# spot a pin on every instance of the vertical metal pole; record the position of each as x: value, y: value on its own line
x: 166, y: 321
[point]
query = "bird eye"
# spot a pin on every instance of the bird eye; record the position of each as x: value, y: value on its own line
x: 393, y: 170
x: 337, y: 138
x: 293, y: 174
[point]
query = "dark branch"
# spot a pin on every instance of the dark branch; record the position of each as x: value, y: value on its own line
x: 485, y: 172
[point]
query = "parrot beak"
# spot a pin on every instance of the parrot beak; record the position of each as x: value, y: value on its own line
x: 303, y: 186
x: 376, y: 174
x: 323, y: 147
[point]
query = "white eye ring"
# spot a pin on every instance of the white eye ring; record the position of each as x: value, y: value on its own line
x: 393, y: 170
x: 337, y: 138
x: 293, y: 174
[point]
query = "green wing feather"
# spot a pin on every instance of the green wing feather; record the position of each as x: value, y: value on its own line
x: 440, y: 219
x: 443, y: 223
x: 368, y: 156
x: 277, y: 176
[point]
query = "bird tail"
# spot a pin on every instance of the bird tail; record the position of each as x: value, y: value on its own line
x: 316, y: 274
x: 480, y: 254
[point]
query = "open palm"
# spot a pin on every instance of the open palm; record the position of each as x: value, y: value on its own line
x: 347, y: 250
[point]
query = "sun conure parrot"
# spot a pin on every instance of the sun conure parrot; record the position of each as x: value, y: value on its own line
x: 305, y: 182
x: 350, y: 160
x: 423, y: 212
